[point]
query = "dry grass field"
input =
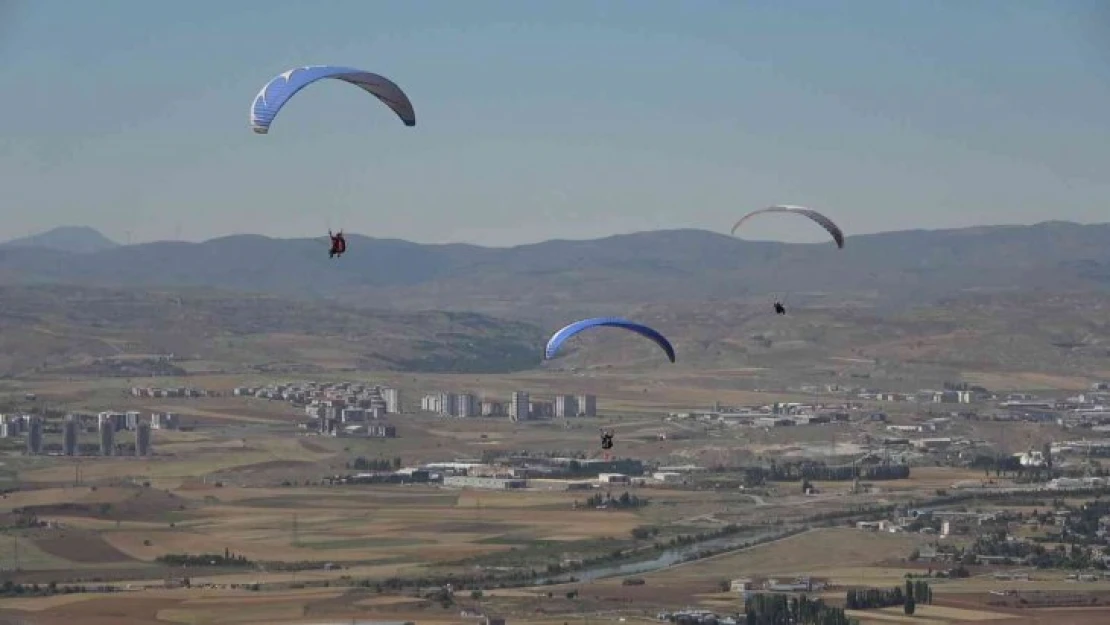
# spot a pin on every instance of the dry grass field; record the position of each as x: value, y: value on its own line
x: 838, y: 554
x: 329, y: 606
x: 219, y: 488
x: 417, y: 526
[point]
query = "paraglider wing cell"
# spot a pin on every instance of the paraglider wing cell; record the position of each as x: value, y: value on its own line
x: 825, y: 222
x: 561, y: 336
x: 285, y: 85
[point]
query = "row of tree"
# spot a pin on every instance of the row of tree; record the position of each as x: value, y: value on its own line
x: 227, y: 558
x: 11, y: 589
x: 871, y: 598
x: 375, y: 464
x: 624, y: 501
x: 777, y: 609
x: 808, y: 470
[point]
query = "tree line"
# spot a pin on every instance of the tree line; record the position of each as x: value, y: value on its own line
x: 915, y: 591
x: 376, y: 464
x: 624, y: 501
x: 227, y: 558
x: 777, y: 609
x: 819, y: 471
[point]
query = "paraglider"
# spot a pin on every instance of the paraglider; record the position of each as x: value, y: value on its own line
x: 557, y: 339
x: 273, y: 96
x: 338, y: 244
x: 606, y: 439
x: 825, y: 222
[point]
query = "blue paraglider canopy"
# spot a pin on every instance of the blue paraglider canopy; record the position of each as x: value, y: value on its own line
x: 285, y: 85
x: 557, y: 339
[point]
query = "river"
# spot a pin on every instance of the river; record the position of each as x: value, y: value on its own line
x: 666, y: 559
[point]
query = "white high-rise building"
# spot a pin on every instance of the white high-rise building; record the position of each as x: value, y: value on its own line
x: 431, y: 403
x: 518, y: 406
x: 392, y: 398
x: 449, y: 405
x: 587, y: 405
x: 566, y: 406
x: 466, y: 405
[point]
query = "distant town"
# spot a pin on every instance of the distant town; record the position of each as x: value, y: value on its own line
x: 520, y: 407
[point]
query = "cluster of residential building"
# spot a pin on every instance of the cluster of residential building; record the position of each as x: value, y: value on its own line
x: 337, y: 408
x: 105, y: 425
x: 328, y: 399
x: 520, y: 407
x: 943, y: 523
x: 745, y: 585
x: 181, y: 391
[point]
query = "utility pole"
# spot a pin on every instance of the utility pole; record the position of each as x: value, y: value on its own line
x: 296, y: 542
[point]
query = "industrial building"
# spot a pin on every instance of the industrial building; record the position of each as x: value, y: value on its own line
x: 492, y: 483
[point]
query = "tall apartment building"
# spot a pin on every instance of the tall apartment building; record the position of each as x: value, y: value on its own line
x: 587, y: 405
x: 466, y: 405
x: 392, y: 398
x: 538, y: 409
x: 107, y: 430
x: 492, y: 408
x: 71, y: 435
x: 34, y: 435
x: 566, y: 406
x: 142, y: 439
x: 449, y: 404
x: 519, y: 406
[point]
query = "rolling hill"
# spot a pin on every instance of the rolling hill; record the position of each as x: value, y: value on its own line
x: 79, y: 239
x: 69, y: 330
x: 556, y: 280
x: 893, y: 306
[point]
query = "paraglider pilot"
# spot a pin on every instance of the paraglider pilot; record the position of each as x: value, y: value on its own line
x: 338, y: 244
x: 606, y: 439
x: 779, y: 308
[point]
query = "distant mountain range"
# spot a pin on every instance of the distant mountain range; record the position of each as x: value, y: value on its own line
x: 560, y: 279
x: 76, y: 239
x: 894, y: 306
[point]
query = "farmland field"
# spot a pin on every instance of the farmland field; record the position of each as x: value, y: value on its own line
x: 246, y: 482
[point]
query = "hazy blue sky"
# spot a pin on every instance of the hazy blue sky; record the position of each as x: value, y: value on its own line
x: 554, y: 119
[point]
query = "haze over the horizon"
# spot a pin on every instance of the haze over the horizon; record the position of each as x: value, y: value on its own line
x: 553, y: 120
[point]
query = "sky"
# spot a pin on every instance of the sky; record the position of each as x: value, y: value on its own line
x: 568, y: 119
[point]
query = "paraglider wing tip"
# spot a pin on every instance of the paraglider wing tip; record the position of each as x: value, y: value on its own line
x: 410, y: 123
x: 259, y: 130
